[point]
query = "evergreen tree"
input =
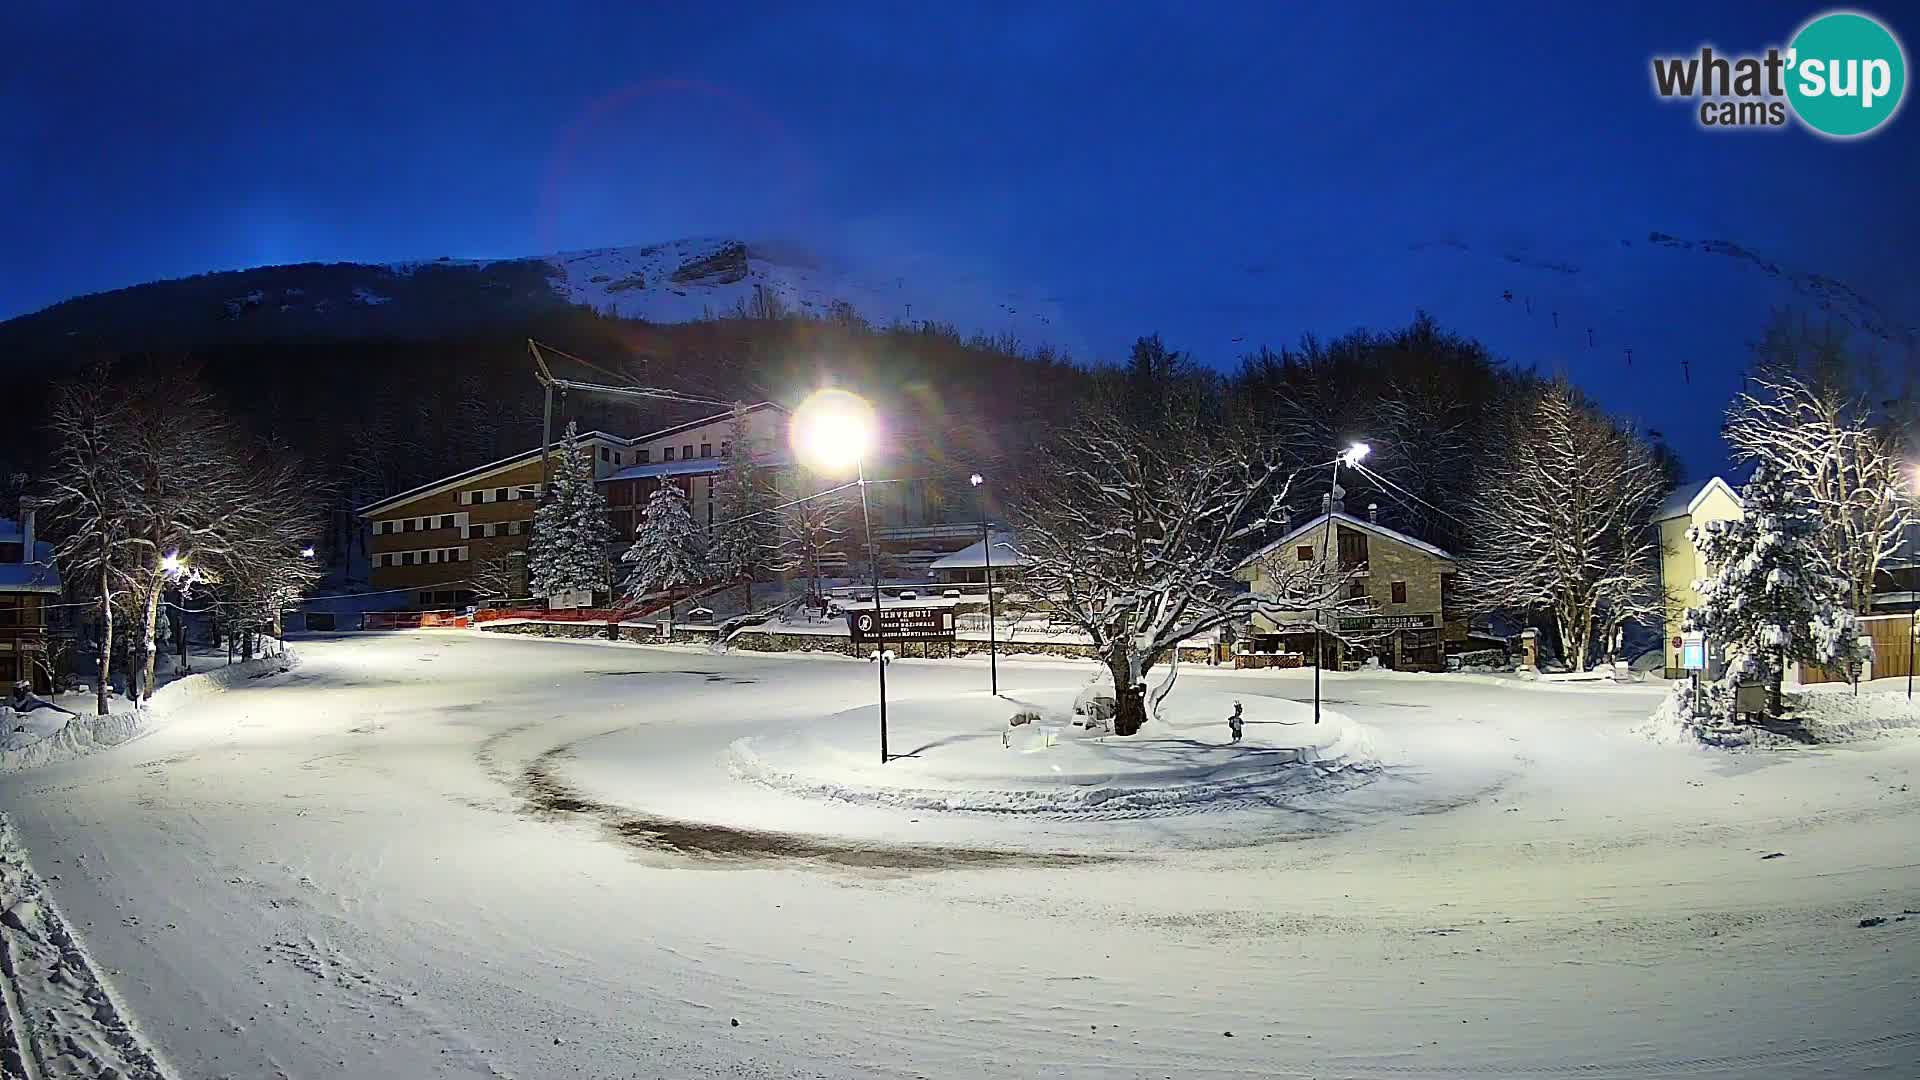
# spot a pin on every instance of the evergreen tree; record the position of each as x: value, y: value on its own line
x: 1768, y: 603
x: 742, y: 540
x: 568, y: 549
x: 667, y: 552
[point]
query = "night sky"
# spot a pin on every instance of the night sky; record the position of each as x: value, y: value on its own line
x: 1225, y: 175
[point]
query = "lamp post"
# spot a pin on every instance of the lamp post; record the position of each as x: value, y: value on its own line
x: 1352, y: 455
x: 832, y: 430
x: 986, y: 546
x: 175, y: 567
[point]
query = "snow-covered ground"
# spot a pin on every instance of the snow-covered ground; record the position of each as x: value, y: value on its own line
x: 450, y: 854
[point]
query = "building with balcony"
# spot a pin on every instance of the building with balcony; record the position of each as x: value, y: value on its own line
x: 29, y: 582
x: 1402, y: 591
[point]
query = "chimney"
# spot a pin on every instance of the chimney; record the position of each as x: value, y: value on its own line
x: 26, y: 531
x: 1373, y: 512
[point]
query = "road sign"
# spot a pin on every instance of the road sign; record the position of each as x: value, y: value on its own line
x: 1693, y: 652
x: 903, y: 624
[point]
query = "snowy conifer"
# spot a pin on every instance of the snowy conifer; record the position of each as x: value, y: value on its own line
x: 568, y: 549
x: 742, y: 543
x: 1769, y: 602
x: 667, y: 551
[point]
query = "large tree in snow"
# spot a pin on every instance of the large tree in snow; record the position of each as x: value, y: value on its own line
x: 1134, y: 519
x: 1824, y: 445
x: 568, y: 548
x: 741, y: 546
x: 1562, y: 524
x: 1770, y: 600
x: 809, y: 530
x: 667, y: 552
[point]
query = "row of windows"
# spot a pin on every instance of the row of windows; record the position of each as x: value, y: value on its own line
x: 499, y: 494
x: 498, y: 528
x: 424, y: 557
x: 420, y: 524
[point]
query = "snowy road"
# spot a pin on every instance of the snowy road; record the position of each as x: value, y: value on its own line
x: 445, y: 854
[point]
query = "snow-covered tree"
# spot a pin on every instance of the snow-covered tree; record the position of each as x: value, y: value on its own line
x: 741, y: 546
x: 1848, y: 471
x: 93, y: 506
x: 667, y: 551
x: 568, y: 548
x: 1134, y: 520
x: 1563, y: 524
x: 1769, y: 600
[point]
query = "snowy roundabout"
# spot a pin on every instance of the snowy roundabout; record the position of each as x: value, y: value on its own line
x: 1031, y: 754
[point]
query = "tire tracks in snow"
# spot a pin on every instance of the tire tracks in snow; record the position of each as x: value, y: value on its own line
x: 62, y: 1019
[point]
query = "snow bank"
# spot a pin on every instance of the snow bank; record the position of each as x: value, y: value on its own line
x: 45, y: 736
x: 960, y: 754
x: 59, y: 1019
x: 1826, y: 714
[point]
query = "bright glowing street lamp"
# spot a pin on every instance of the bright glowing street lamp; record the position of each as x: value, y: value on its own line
x: 172, y: 565
x: 833, y: 430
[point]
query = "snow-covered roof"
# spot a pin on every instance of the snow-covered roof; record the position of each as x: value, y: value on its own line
x: 1687, y: 499
x: 39, y: 575
x: 974, y: 556
x: 1343, y: 518
x: 436, y: 486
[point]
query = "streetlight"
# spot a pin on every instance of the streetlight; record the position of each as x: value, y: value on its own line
x: 1352, y: 456
x: 986, y: 545
x: 173, y: 566
x: 834, y: 429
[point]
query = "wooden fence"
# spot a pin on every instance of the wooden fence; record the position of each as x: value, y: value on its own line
x: 1893, y: 650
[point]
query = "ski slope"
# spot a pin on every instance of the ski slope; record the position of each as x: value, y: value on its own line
x: 450, y: 854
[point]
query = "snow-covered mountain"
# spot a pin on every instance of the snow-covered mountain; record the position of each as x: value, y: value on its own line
x: 678, y: 281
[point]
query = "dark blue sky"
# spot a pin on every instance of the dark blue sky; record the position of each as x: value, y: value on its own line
x: 1228, y: 175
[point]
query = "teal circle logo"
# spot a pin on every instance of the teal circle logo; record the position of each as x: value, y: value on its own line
x: 1846, y: 74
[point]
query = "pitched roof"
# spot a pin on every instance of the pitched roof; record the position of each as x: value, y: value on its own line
x: 505, y: 463
x: 37, y: 576
x: 974, y: 556
x: 1687, y: 499
x: 1344, y: 518
x: 689, y: 467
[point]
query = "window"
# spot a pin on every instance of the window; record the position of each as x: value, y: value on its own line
x: 616, y: 457
x: 499, y: 494
x: 686, y: 452
x: 514, y: 527
x: 1447, y: 600
x: 666, y: 454
x: 1399, y: 592
x: 1353, y: 549
x: 605, y: 454
x: 641, y: 457
x: 726, y: 449
x: 474, y: 531
x: 446, y: 521
x: 1304, y: 552
x: 706, y: 449
x: 426, y: 599
x: 1356, y: 590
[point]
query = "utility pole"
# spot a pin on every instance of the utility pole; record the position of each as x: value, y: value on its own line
x: 879, y: 626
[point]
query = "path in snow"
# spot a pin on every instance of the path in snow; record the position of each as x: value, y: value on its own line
x: 344, y: 871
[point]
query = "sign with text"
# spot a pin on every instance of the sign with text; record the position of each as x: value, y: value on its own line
x: 1693, y: 652
x: 1386, y: 622
x: 902, y: 624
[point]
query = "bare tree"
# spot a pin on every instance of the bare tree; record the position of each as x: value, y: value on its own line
x: 92, y: 504
x: 1562, y: 523
x: 1825, y: 446
x: 1134, y: 523
x: 809, y: 530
